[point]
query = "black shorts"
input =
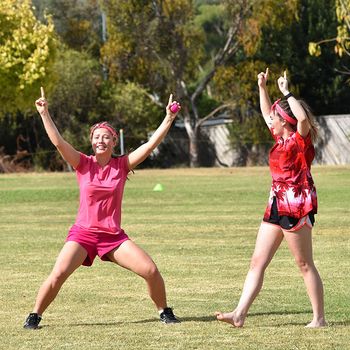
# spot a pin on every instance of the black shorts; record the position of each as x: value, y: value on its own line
x: 286, y: 222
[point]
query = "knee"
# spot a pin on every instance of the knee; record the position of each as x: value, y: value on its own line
x: 150, y: 272
x: 57, y: 277
x: 304, y: 265
x: 257, y: 263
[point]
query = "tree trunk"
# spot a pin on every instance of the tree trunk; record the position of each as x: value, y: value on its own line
x: 192, y: 132
x: 194, y: 151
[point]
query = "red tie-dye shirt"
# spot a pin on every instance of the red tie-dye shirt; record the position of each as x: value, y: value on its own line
x: 292, y: 183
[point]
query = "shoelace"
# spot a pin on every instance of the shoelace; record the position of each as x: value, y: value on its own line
x: 33, y: 318
x: 169, y: 312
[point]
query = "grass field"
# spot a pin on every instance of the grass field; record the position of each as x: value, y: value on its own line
x: 201, y: 232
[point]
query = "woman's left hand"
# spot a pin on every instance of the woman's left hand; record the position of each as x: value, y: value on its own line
x: 142, y: 152
x: 173, y: 108
x: 283, y: 84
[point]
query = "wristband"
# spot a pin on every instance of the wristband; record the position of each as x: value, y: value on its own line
x: 288, y: 95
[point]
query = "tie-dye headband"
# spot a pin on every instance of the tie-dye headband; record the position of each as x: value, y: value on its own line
x: 103, y: 125
x: 282, y: 113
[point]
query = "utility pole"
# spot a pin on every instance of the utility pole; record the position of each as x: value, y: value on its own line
x: 104, y: 39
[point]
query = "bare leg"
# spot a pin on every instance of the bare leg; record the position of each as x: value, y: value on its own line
x: 268, y: 240
x: 300, y: 244
x: 133, y: 258
x: 70, y: 258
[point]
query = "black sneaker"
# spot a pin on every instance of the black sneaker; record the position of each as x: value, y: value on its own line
x: 32, y: 321
x: 167, y: 316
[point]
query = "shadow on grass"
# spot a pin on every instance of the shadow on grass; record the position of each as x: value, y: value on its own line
x: 329, y: 324
x: 203, y: 318
x: 184, y: 319
x: 344, y: 323
x: 92, y: 324
x: 151, y: 320
x: 212, y: 318
x: 284, y: 312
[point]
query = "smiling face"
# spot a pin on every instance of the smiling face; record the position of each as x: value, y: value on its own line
x: 102, y: 142
x: 277, y: 123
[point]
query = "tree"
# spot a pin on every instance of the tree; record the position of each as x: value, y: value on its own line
x: 73, y: 101
x: 78, y: 23
x: 176, y: 46
x: 27, y: 49
x: 206, y: 52
x: 131, y: 108
x: 152, y: 43
x: 342, y: 38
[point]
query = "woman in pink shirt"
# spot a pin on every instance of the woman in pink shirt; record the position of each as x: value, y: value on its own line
x: 292, y: 202
x: 97, y: 230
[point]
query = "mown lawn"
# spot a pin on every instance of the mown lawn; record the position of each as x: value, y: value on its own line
x: 200, y: 230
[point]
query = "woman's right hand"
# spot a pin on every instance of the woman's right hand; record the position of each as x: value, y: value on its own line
x: 283, y: 84
x: 262, y: 78
x: 41, y: 103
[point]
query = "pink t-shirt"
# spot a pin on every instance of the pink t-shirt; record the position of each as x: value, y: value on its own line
x: 101, y: 193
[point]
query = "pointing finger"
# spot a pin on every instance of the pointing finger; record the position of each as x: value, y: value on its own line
x: 42, y: 92
x: 285, y: 75
x: 170, y: 99
x: 267, y: 72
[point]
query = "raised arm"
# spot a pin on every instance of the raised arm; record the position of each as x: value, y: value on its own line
x: 265, y: 102
x: 71, y: 155
x: 303, y: 125
x: 141, y: 153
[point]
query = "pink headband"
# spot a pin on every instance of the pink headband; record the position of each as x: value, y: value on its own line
x: 103, y: 125
x: 282, y: 113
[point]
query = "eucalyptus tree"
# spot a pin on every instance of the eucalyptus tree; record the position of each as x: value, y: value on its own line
x: 181, y: 46
x: 27, y: 50
x: 341, y: 38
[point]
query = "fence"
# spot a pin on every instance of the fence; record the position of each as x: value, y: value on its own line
x: 332, y: 147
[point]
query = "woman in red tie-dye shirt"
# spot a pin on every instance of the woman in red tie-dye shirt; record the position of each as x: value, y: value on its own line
x: 292, y: 201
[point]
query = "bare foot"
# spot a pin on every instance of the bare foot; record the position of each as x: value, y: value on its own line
x: 317, y: 324
x: 231, y: 317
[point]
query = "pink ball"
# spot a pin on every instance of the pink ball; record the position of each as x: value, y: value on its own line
x: 174, y: 107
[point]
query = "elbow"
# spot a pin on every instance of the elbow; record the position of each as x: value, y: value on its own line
x: 150, y: 147
x: 301, y: 115
x: 58, y: 143
x: 302, y: 119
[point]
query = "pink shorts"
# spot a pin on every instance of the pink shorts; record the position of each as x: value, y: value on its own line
x: 96, y: 243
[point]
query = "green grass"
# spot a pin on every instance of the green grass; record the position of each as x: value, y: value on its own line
x: 201, y: 233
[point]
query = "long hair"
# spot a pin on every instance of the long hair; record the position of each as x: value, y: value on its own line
x: 310, y: 117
